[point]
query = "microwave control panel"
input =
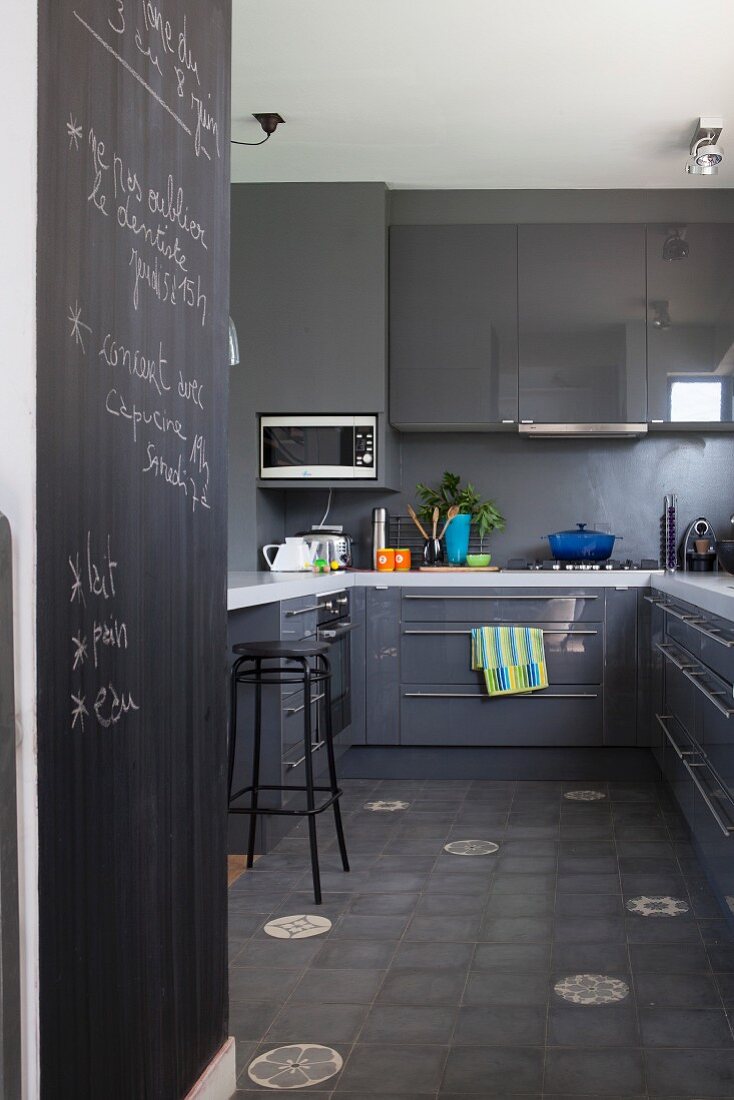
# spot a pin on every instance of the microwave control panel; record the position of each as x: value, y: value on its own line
x: 364, y: 446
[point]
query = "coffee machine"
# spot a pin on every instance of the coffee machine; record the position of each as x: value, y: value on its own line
x: 698, y: 548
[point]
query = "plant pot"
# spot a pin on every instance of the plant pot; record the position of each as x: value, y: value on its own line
x: 457, y: 539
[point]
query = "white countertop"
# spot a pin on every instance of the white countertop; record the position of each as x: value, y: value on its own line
x: 712, y: 592
x: 252, y: 589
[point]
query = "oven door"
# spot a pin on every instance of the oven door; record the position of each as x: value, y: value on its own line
x: 313, y: 447
x: 340, y: 655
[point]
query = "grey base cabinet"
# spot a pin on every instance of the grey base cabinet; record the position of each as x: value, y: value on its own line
x: 697, y: 751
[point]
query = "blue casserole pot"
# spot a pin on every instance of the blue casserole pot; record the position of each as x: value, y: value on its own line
x: 581, y: 545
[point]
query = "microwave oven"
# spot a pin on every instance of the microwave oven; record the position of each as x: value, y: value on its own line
x: 313, y: 447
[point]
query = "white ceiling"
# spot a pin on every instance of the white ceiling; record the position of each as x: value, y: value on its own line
x: 482, y: 93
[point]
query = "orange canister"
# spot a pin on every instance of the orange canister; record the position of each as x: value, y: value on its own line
x: 402, y: 561
x: 385, y: 559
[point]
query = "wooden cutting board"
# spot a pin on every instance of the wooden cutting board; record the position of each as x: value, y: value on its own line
x: 458, y: 568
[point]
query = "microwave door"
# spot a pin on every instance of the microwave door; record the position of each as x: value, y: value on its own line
x: 318, y: 450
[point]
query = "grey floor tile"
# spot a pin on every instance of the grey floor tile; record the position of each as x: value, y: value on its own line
x: 261, y: 983
x: 721, y: 957
x: 380, y: 1067
x: 338, y: 986
x: 586, y: 929
x: 449, y: 905
x: 492, y: 987
x: 599, y: 1072
x: 279, y: 954
x: 457, y: 929
x: 697, y: 1027
x: 682, y: 990
x: 591, y: 1026
x: 589, y: 884
x: 383, y: 904
x: 596, y: 958
x: 353, y: 926
x: 324, y: 1024
x: 517, y: 929
x: 250, y: 1019
x: 500, y: 1025
x: 588, y: 865
x: 409, y: 1024
x: 527, y: 865
x: 520, y: 905
x: 439, y: 956
x: 422, y: 986
x: 716, y: 931
x: 523, y: 884
x: 355, y: 955
x: 469, y: 883
x: 494, y: 1071
x: 662, y: 930
x: 689, y: 1072
x: 517, y: 957
x: 589, y: 905
x: 670, y: 958
x: 654, y: 884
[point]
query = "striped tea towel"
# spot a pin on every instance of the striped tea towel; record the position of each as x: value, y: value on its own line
x: 512, y: 658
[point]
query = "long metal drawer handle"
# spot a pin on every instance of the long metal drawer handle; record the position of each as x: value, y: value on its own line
x: 680, y: 753
x: 297, y: 710
x: 727, y: 830
x: 305, y: 610
x: 710, y: 695
x: 695, y: 621
x: 473, y: 695
x: 571, y: 633
x: 295, y: 763
x: 496, y: 596
x: 664, y: 647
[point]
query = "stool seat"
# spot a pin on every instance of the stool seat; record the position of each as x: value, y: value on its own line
x: 282, y: 650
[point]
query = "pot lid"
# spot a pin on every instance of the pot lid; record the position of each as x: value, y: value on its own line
x: 581, y: 530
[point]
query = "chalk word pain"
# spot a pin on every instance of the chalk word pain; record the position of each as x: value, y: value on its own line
x: 92, y: 576
x: 169, y: 52
x: 166, y: 286
x: 179, y: 476
x: 159, y: 419
x: 107, y: 634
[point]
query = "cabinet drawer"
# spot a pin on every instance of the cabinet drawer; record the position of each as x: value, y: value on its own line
x: 432, y: 651
x: 482, y: 608
x: 292, y: 723
x: 298, y: 618
x: 443, y: 714
x: 683, y: 634
x: 679, y: 748
x: 293, y: 770
x: 680, y: 698
x: 718, y: 651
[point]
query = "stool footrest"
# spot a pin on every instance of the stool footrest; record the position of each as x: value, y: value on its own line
x: 278, y: 812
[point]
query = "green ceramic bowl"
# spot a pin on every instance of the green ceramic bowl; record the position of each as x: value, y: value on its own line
x: 478, y: 561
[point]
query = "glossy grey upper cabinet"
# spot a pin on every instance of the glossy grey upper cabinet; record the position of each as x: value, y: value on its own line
x: 453, y: 327
x: 690, y: 323
x: 582, y: 324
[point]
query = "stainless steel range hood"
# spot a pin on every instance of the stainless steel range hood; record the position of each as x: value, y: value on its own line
x: 581, y: 431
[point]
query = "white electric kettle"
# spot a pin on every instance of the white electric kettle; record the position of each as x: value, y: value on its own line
x: 292, y: 556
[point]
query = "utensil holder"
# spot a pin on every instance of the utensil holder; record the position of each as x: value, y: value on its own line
x: 432, y: 552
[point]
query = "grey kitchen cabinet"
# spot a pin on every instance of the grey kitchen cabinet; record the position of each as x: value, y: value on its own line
x: 308, y: 295
x: 621, y: 674
x: 382, y: 665
x: 449, y: 714
x: 582, y: 340
x: 690, y: 325
x: 453, y: 327
x: 511, y: 605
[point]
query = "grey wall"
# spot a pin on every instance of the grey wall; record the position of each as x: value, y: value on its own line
x: 544, y: 486
x: 541, y: 486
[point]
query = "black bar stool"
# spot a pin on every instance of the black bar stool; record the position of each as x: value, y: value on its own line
x: 263, y: 664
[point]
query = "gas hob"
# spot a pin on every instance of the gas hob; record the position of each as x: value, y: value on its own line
x: 646, y: 565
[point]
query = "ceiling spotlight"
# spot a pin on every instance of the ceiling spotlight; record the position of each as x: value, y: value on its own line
x: 675, y: 246
x: 706, y: 153
x: 269, y: 123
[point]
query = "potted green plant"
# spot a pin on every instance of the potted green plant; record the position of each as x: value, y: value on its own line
x: 483, y: 514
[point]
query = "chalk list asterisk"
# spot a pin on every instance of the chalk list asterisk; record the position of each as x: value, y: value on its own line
x: 79, y: 710
x: 74, y: 318
x: 74, y: 131
x: 80, y: 649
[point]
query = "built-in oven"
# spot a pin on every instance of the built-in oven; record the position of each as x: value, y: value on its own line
x: 335, y: 627
x: 328, y: 447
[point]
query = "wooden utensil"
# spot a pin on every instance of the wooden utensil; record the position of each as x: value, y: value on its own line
x: 416, y: 521
x: 435, y: 522
x: 451, y: 514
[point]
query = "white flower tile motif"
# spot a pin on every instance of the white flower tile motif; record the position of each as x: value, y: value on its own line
x: 584, y: 796
x: 658, y: 906
x: 471, y: 847
x: 295, y: 1067
x: 386, y: 806
x: 591, y: 989
x: 299, y: 927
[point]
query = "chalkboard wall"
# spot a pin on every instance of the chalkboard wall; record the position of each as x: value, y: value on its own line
x: 132, y: 406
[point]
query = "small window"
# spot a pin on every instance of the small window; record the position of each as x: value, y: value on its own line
x: 696, y: 400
